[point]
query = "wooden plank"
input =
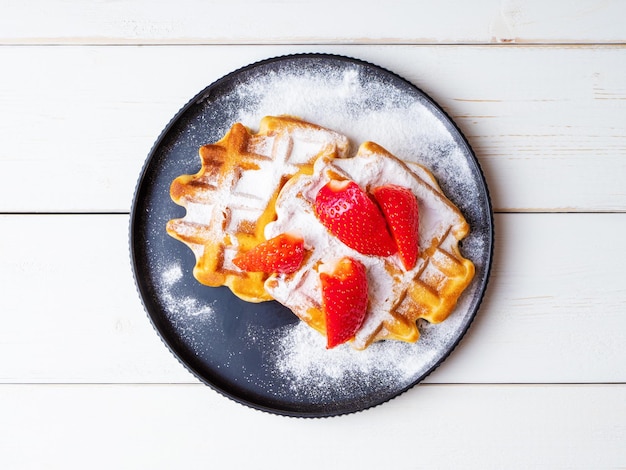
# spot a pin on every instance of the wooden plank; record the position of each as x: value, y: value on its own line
x: 178, y: 426
x: 308, y: 22
x: 554, y: 310
x: 555, y: 297
x: 546, y: 124
x: 72, y: 311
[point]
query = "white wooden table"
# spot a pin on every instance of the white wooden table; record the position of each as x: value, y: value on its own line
x: 538, y: 88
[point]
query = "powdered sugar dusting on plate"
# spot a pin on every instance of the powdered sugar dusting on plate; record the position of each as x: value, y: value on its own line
x: 302, y: 354
x: 311, y: 371
x: 345, y: 101
x: 180, y: 306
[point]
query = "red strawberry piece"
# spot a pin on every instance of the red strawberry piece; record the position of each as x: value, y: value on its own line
x: 350, y: 215
x: 281, y: 254
x: 344, y: 299
x: 399, y: 206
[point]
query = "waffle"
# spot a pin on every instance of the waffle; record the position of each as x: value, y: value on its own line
x: 231, y: 199
x: 398, y: 298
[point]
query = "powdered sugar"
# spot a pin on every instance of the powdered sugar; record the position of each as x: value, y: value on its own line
x: 172, y: 274
x: 181, y: 306
x: 302, y: 353
x: 310, y: 371
x: 346, y: 102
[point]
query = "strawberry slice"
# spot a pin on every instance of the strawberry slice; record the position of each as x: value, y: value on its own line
x: 399, y: 206
x: 349, y: 214
x: 344, y: 299
x: 281, y: 254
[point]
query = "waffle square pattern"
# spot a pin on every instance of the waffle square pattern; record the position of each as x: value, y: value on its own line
x: 256, y: 186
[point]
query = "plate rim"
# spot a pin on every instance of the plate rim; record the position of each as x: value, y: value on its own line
x: 134, y: 210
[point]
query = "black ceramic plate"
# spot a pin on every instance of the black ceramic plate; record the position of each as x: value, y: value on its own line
x: 260, y: 354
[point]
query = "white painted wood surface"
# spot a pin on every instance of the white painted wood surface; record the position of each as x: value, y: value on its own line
x: 463, y: 426
x: 554, y: 310
x: 533, y: 127
x: 319, y: 22
x: 539, y: 89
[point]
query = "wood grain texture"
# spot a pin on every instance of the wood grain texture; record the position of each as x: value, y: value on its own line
x: 308, y: 22
x: 181, y: 426
x: 538, y: 88
x: 546, y: 123
x: 553, y: 313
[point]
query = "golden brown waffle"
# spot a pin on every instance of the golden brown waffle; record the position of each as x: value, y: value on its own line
x: 231, y: 199
x: 397, y: 297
